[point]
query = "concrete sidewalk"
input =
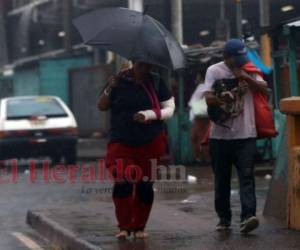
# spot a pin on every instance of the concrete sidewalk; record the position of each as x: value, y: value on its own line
x: 184, y: 221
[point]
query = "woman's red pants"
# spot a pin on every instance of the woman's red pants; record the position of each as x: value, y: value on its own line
x: 133, y: 193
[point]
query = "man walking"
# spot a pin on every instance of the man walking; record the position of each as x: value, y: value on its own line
x: 233, y: 142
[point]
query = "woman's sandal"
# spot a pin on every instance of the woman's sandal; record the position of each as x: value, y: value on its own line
x: 122, y: 235
x: 140, y: 234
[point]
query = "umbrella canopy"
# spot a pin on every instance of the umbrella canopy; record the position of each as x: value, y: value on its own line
x: 131, y: 34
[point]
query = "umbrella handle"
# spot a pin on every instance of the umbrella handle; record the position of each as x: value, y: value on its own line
x: 146, y: 9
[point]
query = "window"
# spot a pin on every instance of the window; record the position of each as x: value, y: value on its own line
x: 29, y: 107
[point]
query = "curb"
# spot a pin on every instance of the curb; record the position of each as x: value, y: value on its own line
x: 57, y: 234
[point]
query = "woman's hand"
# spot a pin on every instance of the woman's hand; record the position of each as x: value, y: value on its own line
x: 138, y: 117
x: 112, y: 82
x: 103, y: 100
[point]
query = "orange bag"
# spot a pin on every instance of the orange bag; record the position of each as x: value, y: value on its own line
x: 264, y: 120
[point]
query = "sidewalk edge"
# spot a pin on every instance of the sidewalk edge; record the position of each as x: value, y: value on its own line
x: 57, y: 234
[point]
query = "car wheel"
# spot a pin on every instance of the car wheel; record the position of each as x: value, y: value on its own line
x: 71, y: 156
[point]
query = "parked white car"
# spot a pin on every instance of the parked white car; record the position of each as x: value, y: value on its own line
x: 37, y: 126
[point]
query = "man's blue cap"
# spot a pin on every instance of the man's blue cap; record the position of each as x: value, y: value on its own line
x: 237, y: 49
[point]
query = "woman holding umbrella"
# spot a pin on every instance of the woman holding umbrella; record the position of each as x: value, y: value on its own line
x: 139, y: 102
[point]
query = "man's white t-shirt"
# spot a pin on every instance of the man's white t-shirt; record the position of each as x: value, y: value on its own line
x: 241, y: 127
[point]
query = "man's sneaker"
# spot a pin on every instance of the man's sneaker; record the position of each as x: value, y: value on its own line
x: 223, y: 225
x: 249, y: 225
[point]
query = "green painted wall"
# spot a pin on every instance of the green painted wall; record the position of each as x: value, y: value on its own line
x: 179, y: 140
x: 54, y: 75
x: 26, y: 81
x: 48, y: 77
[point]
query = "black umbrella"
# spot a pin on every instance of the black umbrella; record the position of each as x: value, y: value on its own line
x: 131, y: 34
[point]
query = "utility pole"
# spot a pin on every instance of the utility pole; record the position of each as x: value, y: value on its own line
x: 222, y: 9
x: 264, y: 10
x: 176, y: 19
x: 177, y: 30
x: 3, y: 38
x: 239, y: 17
x: 67, y: 24
x: 222, y: 25
x: 137, y: 5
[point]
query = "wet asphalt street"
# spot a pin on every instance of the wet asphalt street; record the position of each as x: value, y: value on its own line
x: 17, y: 198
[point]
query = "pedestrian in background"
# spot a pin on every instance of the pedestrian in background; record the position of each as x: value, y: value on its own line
x: 138, y: 102
x: 200, y: 123
x: 234, y: 141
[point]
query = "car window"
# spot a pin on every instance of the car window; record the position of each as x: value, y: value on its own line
x: 29, y: 107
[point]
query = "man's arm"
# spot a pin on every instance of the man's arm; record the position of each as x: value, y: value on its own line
x: 207, y: 92
x: 212, y: 100
x: 254, y: 84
